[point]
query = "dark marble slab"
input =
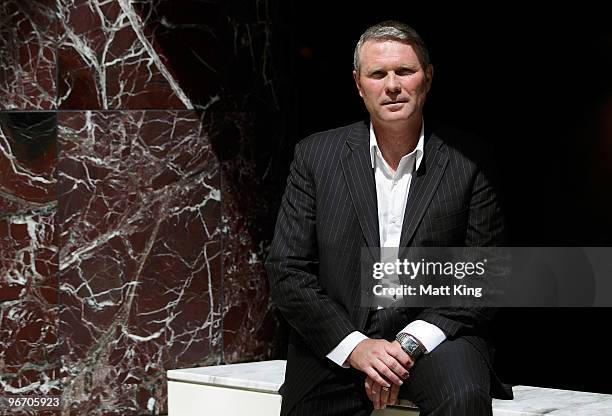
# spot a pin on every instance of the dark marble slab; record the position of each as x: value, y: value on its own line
x: 28, y: 34
x: 163, y: 54
x: 29, y: 309
x: 108, y: 58
x: 140, y: 255
x: 249, y: 212
x: 132, y: 240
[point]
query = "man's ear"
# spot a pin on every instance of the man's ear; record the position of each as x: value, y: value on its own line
x: 356, y: 78
x: 429, y: 71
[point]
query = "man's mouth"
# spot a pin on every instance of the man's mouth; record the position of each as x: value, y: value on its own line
x: 394, y: 102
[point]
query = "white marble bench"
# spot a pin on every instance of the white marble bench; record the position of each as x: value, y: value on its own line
x: 252, y: 389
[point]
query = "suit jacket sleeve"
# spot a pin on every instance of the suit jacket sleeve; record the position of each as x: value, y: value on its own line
x: 486, y: 227
x: 292, y: 265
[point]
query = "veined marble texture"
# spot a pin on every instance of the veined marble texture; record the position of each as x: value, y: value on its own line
x: 265, y: 376
x: 534, y: 401
x: 109, y: 59
x: 145, y: 54
x: 28, y: 36
x: 140, y: 291
x: 163, y: 54
x: 248, y: 217
x: 151, y: 260
x: 29, y: 310
x: 132, y: 229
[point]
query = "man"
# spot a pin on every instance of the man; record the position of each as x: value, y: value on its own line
x: 390, y: 181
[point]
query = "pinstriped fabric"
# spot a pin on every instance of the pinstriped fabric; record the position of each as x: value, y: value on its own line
x: 423, y: 188
x: 293, y: 264
x: 339, y: 396
x: 465, y: 210
x: 343, y: 393
x: 453, y: 380
x: 356, y: 167
x: 329, y: 212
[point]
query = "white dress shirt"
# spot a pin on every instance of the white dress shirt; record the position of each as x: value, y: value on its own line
x: 392, y: 189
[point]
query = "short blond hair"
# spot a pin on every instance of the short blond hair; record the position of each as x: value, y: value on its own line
x: 393, y: 30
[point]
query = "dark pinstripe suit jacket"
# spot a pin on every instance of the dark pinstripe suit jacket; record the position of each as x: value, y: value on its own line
x: 329, y: 211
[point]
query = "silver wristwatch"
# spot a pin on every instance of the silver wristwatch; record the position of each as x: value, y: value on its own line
x: 411, y: 345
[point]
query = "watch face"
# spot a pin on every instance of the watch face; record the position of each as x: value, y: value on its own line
x: 411, y: 345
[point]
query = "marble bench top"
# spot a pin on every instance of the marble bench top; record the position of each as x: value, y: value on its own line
x: 262, y: 375
x: 267, y: 376
x: 530, y: 401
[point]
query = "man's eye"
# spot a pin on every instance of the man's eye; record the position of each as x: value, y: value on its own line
x: 405, y: 71
x: 378, y: 75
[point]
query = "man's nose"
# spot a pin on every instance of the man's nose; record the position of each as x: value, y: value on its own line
x: 392, y: 85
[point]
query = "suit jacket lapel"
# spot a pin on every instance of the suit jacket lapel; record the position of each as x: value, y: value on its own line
x: 357, y: 168
x: 359, y: 176
x: 423, y: 186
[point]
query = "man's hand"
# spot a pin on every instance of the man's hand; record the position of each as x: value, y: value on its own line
x: 379, y: 395
x: 385, y: 362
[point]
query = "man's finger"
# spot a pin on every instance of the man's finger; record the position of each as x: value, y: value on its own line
x: 384, y: 396
x: 376, y: 390
x: 395, y: 366
x: 368, y: 387
x: 396, y: 351
x: 386, y: 372
x: 376, y: 377
x: 393, y: 394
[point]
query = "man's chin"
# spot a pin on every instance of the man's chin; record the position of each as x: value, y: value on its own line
x: 395, y: 117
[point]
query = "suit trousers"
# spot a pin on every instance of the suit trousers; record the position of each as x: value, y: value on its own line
x: 453, y: 379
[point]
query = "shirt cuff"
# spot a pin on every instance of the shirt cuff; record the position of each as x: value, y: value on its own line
x: 430, y: 335
x: 345, y: 348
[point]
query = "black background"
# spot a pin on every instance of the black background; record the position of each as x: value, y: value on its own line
x: 534, y: 82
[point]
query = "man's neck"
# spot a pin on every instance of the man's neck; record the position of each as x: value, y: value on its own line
x: 396, y: 140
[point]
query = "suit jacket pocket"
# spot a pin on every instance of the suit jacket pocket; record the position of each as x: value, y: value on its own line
x: 446, y: 216
x: 450, y: 223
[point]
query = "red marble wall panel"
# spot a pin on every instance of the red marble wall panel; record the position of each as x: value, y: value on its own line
x: 29, y: 336
x: 109, y: 59
x: 223, y: 53
x: 249, y: 323
x: 140, y: 255
x: 137, y: 244
x: 28, y: 151
x: 27, y: 54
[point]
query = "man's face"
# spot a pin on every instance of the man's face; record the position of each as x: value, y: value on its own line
x: 391, y: 81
